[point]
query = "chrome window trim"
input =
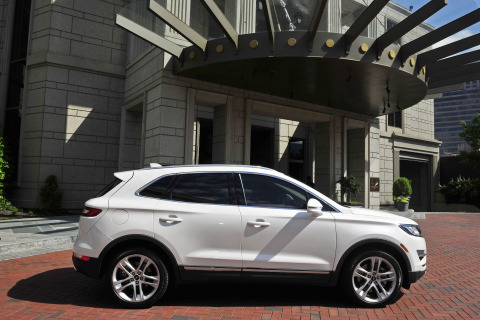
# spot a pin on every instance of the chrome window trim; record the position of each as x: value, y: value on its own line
x: 137, y: 193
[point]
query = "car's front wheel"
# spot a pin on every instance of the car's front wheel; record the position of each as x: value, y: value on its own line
x: 137, y: 278
x: 373, y: 278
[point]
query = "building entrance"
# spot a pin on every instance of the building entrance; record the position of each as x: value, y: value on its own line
x: 417, y: 172
x: 262, y: 146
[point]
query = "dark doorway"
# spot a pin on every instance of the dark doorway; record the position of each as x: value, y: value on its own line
x: 296, y: 158
x: 417, y: 172
x: 262, y: 146
x: 205, y: 141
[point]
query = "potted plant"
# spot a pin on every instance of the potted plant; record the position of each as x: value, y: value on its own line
x: 349, y: 185
x: 402, y: 190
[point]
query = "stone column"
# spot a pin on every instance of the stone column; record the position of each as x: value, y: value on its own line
x: 323, y: 149
x: 165, y: 124
x: 356, y: 160
x: 373, y: 130
x: 222, y: 134
x: 334, y: 13
x: 242, y: 15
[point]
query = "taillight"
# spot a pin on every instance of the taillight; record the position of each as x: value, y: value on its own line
x: 90, y: 212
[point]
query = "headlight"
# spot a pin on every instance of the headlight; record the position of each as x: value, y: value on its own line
x: 412, y: 229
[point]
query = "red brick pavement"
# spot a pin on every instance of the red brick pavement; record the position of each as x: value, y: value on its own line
x: 45, y: 286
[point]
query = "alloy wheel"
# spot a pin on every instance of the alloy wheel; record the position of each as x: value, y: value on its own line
x: 374, y: 279
x: 135, y: 278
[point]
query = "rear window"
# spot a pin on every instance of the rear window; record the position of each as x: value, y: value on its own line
x: 108, y: 187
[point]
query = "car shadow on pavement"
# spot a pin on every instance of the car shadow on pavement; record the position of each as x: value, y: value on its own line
x: 62, y: 286
x: 66, y: 287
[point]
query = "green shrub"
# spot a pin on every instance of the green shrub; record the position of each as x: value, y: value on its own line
x: 461, y: 190
x: 349, y: 185
x: 4, y: 166
x: 402, y: 187
x: 50, y: 196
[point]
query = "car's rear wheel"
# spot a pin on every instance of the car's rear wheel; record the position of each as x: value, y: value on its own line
x: 137, y: 278
x: 373, y: 279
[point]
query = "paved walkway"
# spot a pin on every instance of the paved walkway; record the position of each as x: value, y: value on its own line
x: 31, y: 236
x: 45, y: 286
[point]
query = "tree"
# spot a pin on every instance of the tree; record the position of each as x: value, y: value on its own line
x: 471, y: 134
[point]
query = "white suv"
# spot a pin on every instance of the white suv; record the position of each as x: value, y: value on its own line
x: 152, y: 227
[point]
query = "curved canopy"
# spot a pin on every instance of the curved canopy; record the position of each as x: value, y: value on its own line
x: 370, y: 57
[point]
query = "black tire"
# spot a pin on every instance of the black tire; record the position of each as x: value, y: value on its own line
x: 372, y: 278
x: 145, y: 282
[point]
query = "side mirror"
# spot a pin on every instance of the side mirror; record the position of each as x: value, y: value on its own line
x: 314, y: 207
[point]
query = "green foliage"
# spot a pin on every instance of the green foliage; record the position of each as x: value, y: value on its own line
x: 5, y: 205
x: 349, y: 185
x: 402, y: 199
x: 471, y: 134
x: 402, y: 187
x: 50, y: 196
x: 461, y: 190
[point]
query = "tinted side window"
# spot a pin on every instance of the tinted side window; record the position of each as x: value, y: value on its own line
x: 263, y: 191
x: 158, y: 189
x: 202, y: 187
x: 108, y: 187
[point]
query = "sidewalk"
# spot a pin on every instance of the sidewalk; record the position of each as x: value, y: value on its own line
x: 32, y: 236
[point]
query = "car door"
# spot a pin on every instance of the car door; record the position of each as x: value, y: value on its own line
x: 278, y: 232
x: 199, y: 221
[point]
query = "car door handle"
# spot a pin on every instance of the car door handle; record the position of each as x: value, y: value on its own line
x: 258, y: 224
x: 171, y: 219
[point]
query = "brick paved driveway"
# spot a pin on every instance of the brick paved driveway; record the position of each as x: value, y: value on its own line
x: 45, y: 286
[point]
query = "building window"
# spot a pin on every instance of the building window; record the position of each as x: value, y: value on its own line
x: 296, y: 152
x: 395, y: 119
x: 389, y: 25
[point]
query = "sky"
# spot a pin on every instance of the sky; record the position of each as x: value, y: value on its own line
x: 454, y: 10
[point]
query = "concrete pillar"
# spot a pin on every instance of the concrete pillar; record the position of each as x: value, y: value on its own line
x: 322, y: 157
x: 248, y: 132
x: 222, y: 134
x: 180, y: 9
x: 242, y: 15
x: 130, y: 146
x: 373, y: 162
x: 165, y: 124
x: 190, y: 128
x: 334, y: 13
x: 356, y: 160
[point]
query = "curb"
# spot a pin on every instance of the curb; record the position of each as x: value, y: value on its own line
x: 19, y: 247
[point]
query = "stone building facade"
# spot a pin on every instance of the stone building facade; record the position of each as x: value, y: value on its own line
x: 96, y: 100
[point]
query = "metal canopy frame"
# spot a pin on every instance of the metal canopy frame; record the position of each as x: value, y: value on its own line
x: 468, y: 72
x: 269, y: 22
x: 177, y: 24
x: 408, y: 24
x: 448, y: 50
x: 454, y: 62
x: 220, y: 18
x: 439, y: 34
x: 317, y: 14
x: 307, y: 65
x: 362, y: 22
x: 149, y: 36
